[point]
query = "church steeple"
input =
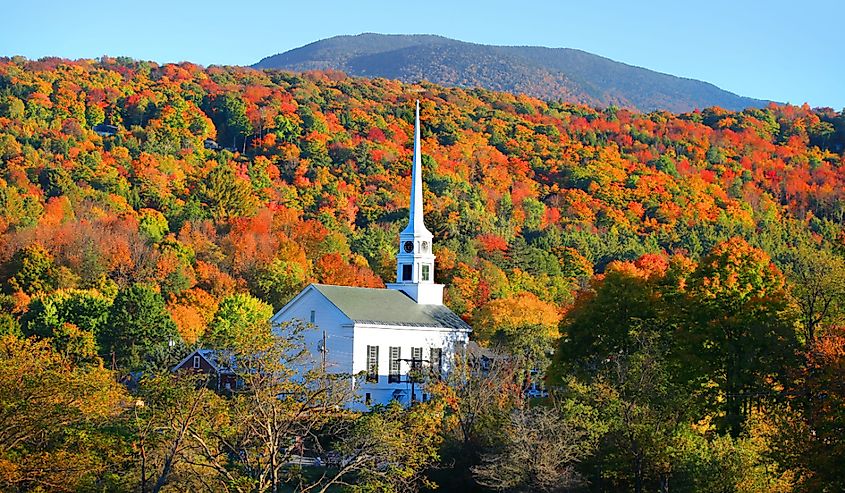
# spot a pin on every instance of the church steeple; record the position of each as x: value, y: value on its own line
x: 415, y: 260
x: 416, y: 223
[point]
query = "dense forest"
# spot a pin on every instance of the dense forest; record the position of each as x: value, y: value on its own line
x: 677, y: 278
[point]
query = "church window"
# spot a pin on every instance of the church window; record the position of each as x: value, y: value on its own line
x: 372, y: 363
x: 368, y: 399
x: 435, y: 359
x: 407, y: 272
x: 416, y: 362
x: 196, y: 362
x: 313, y: 316
x: 395, y: 355
x: 425, y: 272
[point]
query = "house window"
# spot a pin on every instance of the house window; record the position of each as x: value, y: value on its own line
x: 425, y: 272
x: 368, y: 399
x: 435, y: 360
x: 372, y: 363
x: 395, y: 355
x: 313, y: 316
x: 407, y: 272
x: 196, y: 362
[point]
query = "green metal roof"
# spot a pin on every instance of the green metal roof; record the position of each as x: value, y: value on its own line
x: 389, y: 307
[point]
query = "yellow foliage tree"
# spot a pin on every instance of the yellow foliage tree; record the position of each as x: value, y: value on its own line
x: 516, y: 313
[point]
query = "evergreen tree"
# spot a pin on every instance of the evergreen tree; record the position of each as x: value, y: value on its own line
x: 138, y: 322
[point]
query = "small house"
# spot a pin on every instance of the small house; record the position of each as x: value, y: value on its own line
x: 219, y: 365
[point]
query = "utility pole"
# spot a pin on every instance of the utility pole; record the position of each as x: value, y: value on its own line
x: 416, y: 365
x: 324, y: 350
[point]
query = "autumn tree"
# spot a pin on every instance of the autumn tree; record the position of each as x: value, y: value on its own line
x: 285, y: 402
x: 53, y: 420
x: 807, y: 430
x: 523, y: 325
x: 739, y: 330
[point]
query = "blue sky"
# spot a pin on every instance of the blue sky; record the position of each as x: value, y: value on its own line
x: 788, y: 51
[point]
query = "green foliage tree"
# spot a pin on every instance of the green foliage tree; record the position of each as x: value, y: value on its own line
x: 642, y: 408
x: 33, y: 270
x: 392, y: 447
x: 240, y: 318
x: 137, y: 323
x: 11, y: 107
x: 9, y: 326
x: 86, y: 309
x: 70, y: 320
x: 225, y: 194
x: 278, y: 282
x: 286, y: 129
x: 153, y: 224
x: 602, y: 321
x: 231, y: 119
x: 55, y: 181
x: 817, y: 281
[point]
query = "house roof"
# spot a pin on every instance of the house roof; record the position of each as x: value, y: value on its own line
x: 389, y: 307
x: 212, y: 357
x: 103, y: 128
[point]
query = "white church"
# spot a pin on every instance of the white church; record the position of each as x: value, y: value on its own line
x: 390, y: 335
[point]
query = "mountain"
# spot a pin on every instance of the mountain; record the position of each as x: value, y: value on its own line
x: 547, y: 73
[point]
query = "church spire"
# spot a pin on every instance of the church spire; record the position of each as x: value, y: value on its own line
x: 416, y: 223
x: 415, y: 259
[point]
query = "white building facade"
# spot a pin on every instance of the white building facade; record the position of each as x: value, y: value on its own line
x: 391, y: 336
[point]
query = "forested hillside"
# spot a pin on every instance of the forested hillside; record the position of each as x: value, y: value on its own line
x: 701, y: 245
x: 522, y: 195
x: 551, y: 74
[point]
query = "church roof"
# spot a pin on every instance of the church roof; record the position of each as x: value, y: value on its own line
x: 389, y: 307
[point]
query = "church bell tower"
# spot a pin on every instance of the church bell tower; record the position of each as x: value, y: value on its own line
x: 415, y: 260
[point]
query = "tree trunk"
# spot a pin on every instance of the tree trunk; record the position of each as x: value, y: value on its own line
x: 664, y: 483
x: 638, y: 475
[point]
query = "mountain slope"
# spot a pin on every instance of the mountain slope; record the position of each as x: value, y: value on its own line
x: 548, y: 73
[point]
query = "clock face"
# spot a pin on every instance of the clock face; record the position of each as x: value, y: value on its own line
x: 409, y: 246
x: 424, y: 246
